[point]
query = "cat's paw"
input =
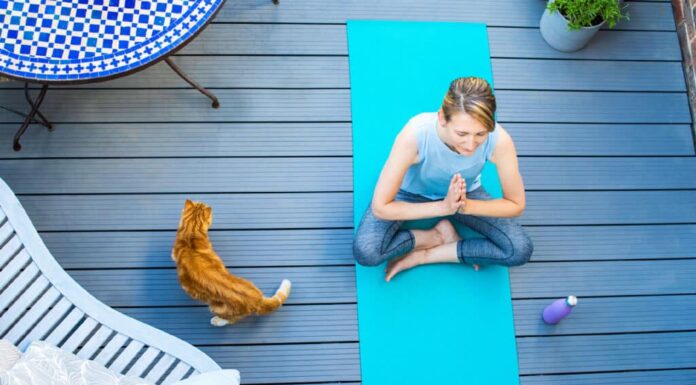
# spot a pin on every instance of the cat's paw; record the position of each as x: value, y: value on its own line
x: 217, y: 321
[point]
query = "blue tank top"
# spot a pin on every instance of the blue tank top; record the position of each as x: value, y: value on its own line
x: 437, y: 163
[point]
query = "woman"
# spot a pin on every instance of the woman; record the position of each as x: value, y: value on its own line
x: 434, y: 170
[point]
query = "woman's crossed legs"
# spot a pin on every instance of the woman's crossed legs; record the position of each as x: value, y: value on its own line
x: 377, y: 240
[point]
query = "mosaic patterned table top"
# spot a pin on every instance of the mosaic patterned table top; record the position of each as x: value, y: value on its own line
x: 82, y: 40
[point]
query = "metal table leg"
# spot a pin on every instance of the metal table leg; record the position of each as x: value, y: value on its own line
x: 43, y: 121
x: 29, y: 118
x: 183, y: 75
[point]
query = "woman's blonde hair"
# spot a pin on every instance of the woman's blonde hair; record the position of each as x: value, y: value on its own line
x: 473, y: 96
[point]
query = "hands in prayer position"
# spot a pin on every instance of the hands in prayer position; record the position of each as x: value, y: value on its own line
x: 455, y: 201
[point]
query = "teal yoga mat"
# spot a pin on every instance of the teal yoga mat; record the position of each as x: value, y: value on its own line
x: 436, y: 324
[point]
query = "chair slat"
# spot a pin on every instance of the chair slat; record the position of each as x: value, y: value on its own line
x: 12, y: 269
x: 126, y: 356
x: 31, y: 317
x: 177, y: 373
x: 143, y: 362
x: 65, y: 326
x: 11, y: 292
x: 6, y: 231
x: 111, y: 349
x: 160, y: 368
x: 2, y: 215
x: 47, y: 323
x: 95, y: 342
x: 79, y: 335
x: 9, y: 249
x: 25, y: 301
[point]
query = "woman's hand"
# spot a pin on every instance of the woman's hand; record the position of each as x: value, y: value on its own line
x: 455, y: 193
x: 455, y: 201
x: 462, y: 198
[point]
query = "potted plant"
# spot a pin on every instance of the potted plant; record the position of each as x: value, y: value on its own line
x: 568, y: 25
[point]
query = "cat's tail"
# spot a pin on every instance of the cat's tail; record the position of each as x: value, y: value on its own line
x: 269, y: 304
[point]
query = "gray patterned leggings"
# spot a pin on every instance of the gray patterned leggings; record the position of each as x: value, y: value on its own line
x: 506, y: 242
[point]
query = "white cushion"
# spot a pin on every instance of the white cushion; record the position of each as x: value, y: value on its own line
x: 9, y: 354
x: 45, y: 364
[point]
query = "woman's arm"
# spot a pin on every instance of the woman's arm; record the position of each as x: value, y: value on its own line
x: 513, y: 202
x: 404, y: 153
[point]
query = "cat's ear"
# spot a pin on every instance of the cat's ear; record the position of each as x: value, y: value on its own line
x: 188, y: 204
x: 208, y: 212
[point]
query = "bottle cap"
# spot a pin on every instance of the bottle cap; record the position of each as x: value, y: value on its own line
x: 572, y: 300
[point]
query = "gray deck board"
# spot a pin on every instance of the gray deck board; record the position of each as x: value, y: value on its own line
x: 618, y: 352
x: 671, y: 377
x: 607, y: 45
x: 304, y: 39
x: 268, y: 364
x: 516, y: 13
x: 290, y: 324
x: 185, y: 139
x: 334, y: 210
x: 587, y: 75
x: 609, y: 207
x: 242, y: 105
x: 609, y: 315
x: 240, y: 72
x: 570, y: 243
x: 327, y: 174
x: 551, y: 139
x: 258, y: 248
x: 76, y: 250
x: 161, y: 212
x: 160, y: 287
x: 614, y: 278
x: 166, y: 175
x: 571, y: 173
x: 592, y: 107
x: 325, y: 139
x: 332, y: 72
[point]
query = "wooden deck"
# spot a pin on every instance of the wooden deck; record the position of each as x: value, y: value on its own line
x: 606, y: 149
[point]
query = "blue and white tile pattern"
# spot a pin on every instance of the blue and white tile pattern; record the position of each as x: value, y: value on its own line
x: 69, y: 40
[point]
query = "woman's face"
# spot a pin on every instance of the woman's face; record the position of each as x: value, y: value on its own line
x: 462, y: 133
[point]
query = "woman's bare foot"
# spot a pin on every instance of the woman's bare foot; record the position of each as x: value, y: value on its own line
x: 409, y: 260
x: 448, y: 233
x: 413, y: 259
x: 443, y: 232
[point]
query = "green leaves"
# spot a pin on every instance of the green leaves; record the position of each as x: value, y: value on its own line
x: 588, y: 13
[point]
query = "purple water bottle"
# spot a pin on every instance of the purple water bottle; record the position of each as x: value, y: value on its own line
x: 558, y: 309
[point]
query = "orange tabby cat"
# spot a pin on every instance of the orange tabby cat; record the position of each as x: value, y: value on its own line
x: 203, y: 275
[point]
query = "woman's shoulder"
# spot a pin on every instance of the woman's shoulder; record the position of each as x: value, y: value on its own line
x: 500, y: 132
x: 502, y: 143
x: 418, y: 124
x: 413, y: 136
x: 424, y: 119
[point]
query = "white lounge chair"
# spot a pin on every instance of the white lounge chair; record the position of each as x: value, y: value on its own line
x: 40, y: 301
